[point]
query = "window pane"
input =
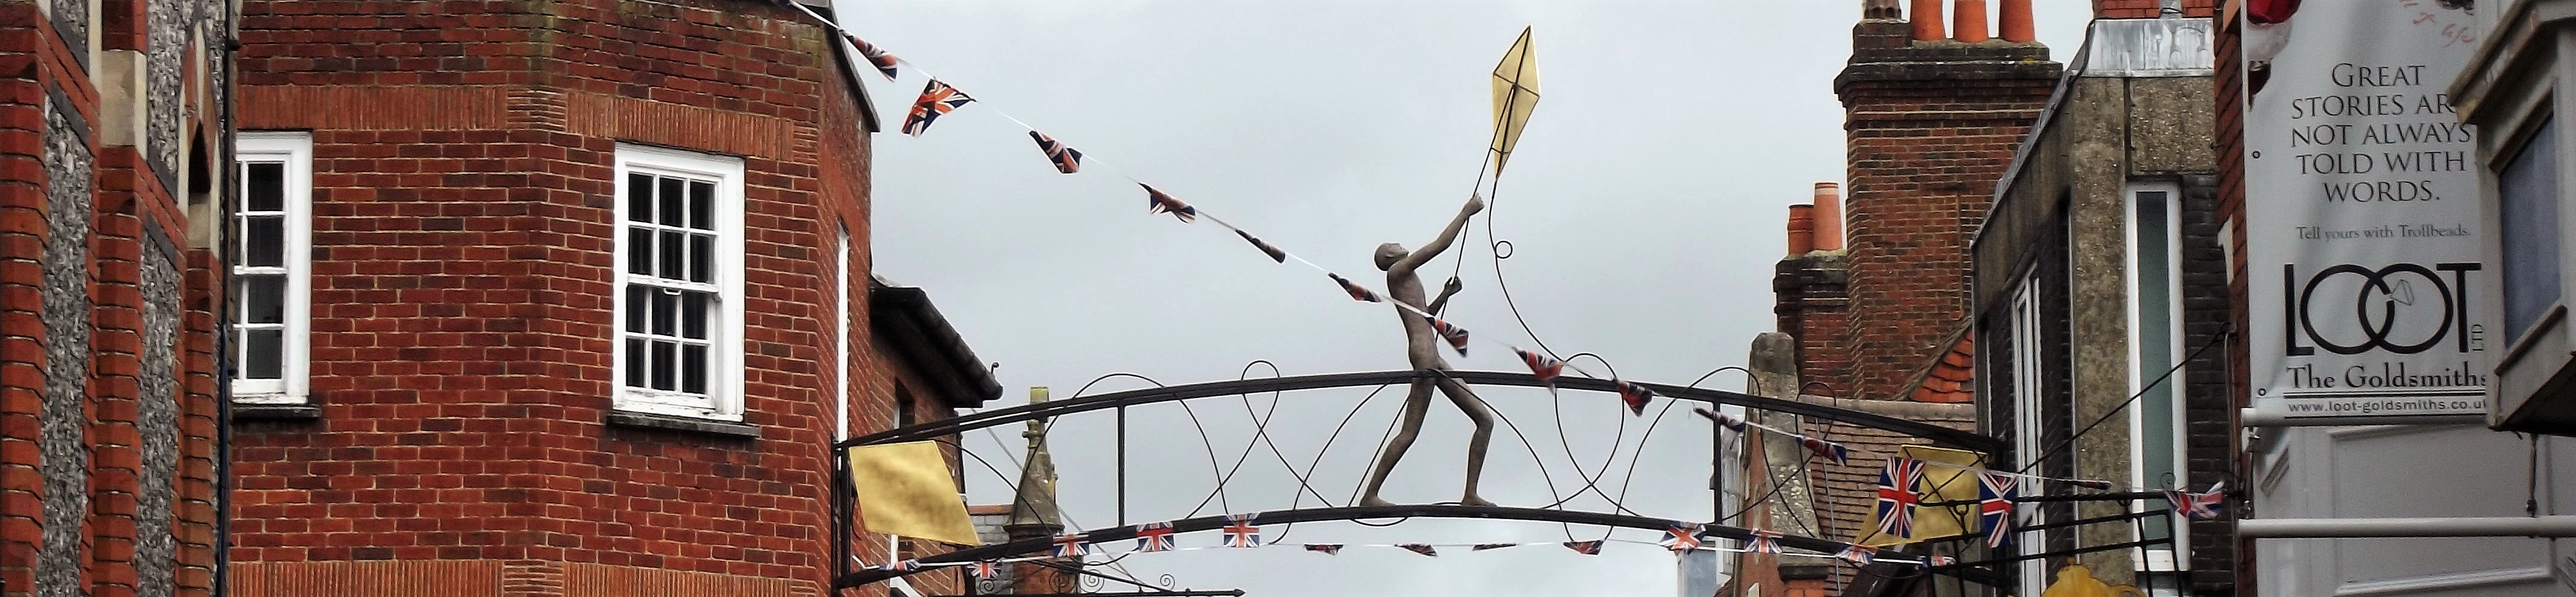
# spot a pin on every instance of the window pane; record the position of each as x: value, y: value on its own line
x: 639, y: 198
x: 639, y: 251
x: 666, y: 311
x: 638, y: 305
x: 2155, y: 349
x: 664, y: 364
x: 635, y: 363
x: 694, y: 315
x: 2527, y: 198
x: 693, y: 369
x: 264, y: 299
x: 702, y: 205
x: 671, y: 258
x: 264, y: 241
x: 267, y: 183
x: 671, y: 198
x: 263, y: 353
x: 702, y: 258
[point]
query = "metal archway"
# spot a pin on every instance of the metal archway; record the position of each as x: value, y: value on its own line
x: 1205, y: 523
x: 1079, y: 404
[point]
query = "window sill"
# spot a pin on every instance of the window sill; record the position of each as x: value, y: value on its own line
x: 247, y: 411
x: 625, y: 418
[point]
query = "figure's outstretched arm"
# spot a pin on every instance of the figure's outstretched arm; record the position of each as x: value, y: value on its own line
x: 1447, y: 236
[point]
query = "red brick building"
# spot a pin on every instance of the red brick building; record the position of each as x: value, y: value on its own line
x: 569, y: 298
x: 109, y: 232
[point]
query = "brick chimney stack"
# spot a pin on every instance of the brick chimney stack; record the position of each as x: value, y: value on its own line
x: 1930, y: 126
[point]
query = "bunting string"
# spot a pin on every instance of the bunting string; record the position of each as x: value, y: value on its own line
x: 940, y: 98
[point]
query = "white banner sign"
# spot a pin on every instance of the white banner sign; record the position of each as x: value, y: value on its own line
x: 2361, y: 211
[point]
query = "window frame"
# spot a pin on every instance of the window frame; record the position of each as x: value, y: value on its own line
x: 2151, y: 559
x: 726, y: 358
x: 2029, y: 404
x: 293, y: 149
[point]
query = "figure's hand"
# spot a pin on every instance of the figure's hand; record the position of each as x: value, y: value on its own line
x: 1475, y: 203
x: 1453, y: 287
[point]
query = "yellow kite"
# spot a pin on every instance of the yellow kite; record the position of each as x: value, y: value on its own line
x: 1515, y: 93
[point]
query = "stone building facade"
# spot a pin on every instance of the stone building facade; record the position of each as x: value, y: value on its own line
x: 562, y: 297
x: 2099, y: 276
x: 110, y: 228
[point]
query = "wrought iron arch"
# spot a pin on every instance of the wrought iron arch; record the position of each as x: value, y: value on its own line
x: 1066, y: 406
x: 1205, y: 523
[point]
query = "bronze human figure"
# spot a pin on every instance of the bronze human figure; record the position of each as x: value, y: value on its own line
x: 1422, y: 348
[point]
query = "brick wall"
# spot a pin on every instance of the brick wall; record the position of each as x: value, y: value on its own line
x: 2227, y: 210
x: 463, y: 160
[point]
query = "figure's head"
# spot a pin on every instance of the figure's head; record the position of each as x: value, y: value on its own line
x: 1387, y: 254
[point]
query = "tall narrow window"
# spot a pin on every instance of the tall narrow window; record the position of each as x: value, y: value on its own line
x: 271, y: 267
x: 841, y: 331
x: 679, y: 283
x: 2154, y: 370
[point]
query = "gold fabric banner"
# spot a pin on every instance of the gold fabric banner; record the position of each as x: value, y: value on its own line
x: 906, y: 490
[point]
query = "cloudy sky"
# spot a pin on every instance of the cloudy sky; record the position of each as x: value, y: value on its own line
x: 1644, y: 209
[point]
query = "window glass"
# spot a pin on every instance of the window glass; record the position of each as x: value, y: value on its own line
x: 2152, y: 271
x: 2527, y: 197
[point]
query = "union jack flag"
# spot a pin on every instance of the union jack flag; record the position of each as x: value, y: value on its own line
x: 1680, y: 537
x: 1542, y: 367
x: 1589, y: 548
x: 987, y: 570
x: 1457, y: 336
x: 1636, y: 395
x: 1154, y: 536
x: 1420, y: 548
x: 1073, y: 545
x: 1066, y: 158
x: 937, y: 99
x: 1274, y: 252
x: 1157, y: 202
x: 1995, y: 492
x: 1896, y: 498
x: 2201, y: 505
x: 1486, y: 546
x: 876, y: 57
x: 1325, y: 548
x: 1357, y: 292
x: 1723, y: 420
x: 903, y: 566
x: 1858, y: 555
x: 1930, y: 561
x: 1240, y: 532
x: 1763, y: 542
x: 1831, y: 451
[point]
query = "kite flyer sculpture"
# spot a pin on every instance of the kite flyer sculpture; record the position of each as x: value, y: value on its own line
x: 1422, y: 347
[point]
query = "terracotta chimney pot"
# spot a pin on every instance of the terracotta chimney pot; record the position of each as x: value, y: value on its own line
x: 1802, y: 229
x: 2016, y: 25
x: 1969, y: 21
x: 1926, y: 16
x: 1829, y: 216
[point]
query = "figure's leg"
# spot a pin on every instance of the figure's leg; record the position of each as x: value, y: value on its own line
x: 1417, y: 403
x: 1483, y: 417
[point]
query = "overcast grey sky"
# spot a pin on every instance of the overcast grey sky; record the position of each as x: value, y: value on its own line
x: 1646, y: 205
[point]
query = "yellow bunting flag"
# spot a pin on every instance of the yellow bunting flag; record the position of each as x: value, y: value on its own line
x: 905, y: 489
x: 1515, y: 93
x: 1955, y: 482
